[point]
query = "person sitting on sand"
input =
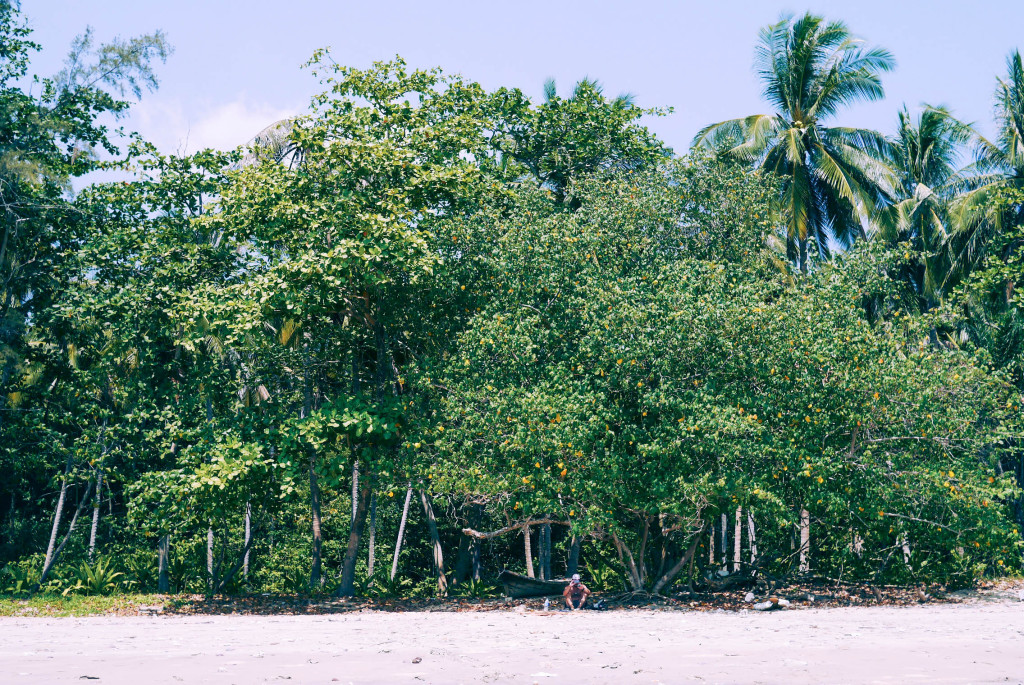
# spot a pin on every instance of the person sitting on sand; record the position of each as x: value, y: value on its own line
x: 576, y: 594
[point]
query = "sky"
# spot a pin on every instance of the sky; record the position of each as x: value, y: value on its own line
x: 237, y: 65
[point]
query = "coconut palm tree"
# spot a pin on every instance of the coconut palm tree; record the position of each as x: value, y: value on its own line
x: 832, y: 177
x: 976, y: 216
x: 925, y: 155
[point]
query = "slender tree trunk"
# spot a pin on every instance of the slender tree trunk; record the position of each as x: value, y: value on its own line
x: 163, y: 559
x: 723, y: 532
x: 48, y: 566
x: 348, y: 568
x: 711, y: 544
x: 465, y: 563
x: 225, y: 578
x: 528, y: 551
x: 663, y: 557
x: 315, y: 576
x: 477, y: 553
x: 355, y: 489
x: 435, y: 539
x: 642, y: 567
x: 95, y: 514
x: 545, y: 551
x: 574, y: 556
x: 209, y: 558
x: 737, y: 541
x: 752, y: 537
x: 59, y: 511
x: 626, y: 557
x: 10, y: 515
x: 805, y: 540
x: 401, y: 531
x: 248, y: 539
x: 373, y: 532
x: 666, y: 579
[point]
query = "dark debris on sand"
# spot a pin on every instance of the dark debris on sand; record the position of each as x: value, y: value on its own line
x: 810, y: 594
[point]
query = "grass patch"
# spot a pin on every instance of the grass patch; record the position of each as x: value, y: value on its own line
x: 76, y: 605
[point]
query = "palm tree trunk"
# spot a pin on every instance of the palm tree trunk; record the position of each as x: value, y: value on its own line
x: 52, y: 561
x: 163, y: 558
x: 805, y: 540
x: 737, y: 541
x: 435, y: 539
x: 545, y: 551
x: 59, y: 511
x: 209, y: 556
x: 348, y: 569
x: 751, y: 536
x: 95, y: 514
x: 248, y: 538
x: 723, y: 531
x: 355, y: 489
x: 528, y: 551
x: 315, y: 576
x: 373, y: 532
x: 401, y: 531
x: 314, y: 505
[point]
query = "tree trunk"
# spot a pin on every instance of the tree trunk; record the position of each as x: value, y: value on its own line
x: 751, y: 536
x: 209, y: 558
x: 95, y: 514
x: 737, y: 541
x: 348, y: 568
x: 545, y: 551
x: 467, y: 547
x: 626, y: 557
x: 805, y: 540
x: 225, y: 578
x: 315, y: 577
x: 401, y: 531
x: 477, y: 554
x: 373, y: 533
x: 574, y: 556
x: 59, y: 511
x: 723, y: 531
x: 355, y: 489
x: 442, y: 581
x: 67, y: 536
x: 905, y: 545
x: 643, y: 551
x: 528, y: 551
x: 163, y: 559
x: 665, y: 580
x: 248, y: 540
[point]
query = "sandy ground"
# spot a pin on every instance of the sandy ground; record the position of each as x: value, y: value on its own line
x: 980, y: 642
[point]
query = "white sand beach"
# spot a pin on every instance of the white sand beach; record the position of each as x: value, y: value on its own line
x: 977, y: 642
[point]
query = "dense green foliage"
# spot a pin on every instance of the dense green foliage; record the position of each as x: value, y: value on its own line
x: 531, y: 322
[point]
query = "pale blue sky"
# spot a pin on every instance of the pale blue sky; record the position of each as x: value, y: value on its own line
x: 236, y: 65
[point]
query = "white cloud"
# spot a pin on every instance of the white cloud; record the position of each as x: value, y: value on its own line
x: 225, y: 126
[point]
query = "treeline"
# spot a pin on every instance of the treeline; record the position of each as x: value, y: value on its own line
x: 426, y: 332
